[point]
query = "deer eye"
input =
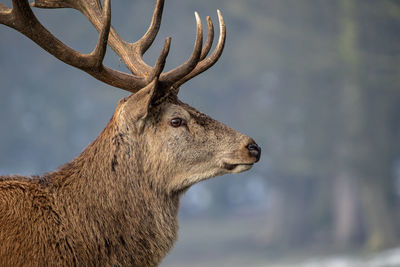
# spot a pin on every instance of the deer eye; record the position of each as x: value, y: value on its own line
x: 177, y: 122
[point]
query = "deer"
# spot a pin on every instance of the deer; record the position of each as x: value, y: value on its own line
x: 117, y: 202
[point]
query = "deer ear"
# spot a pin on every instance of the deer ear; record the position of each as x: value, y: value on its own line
x: 138, y: 105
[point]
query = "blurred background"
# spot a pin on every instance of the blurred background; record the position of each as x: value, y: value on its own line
x: 315, y: 83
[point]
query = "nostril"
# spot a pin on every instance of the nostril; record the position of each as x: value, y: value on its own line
x: 255, y: 151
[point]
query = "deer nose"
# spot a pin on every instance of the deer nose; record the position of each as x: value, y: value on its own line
x: 255, y: 151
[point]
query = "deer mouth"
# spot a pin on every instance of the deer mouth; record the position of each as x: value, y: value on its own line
x: 238, y: 167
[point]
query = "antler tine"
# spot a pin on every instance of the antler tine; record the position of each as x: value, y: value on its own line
x: 181, y: 71
x: 210, y: 39
x: 148, y: 38
x: 134, y: 60
x: 158, y: 68
x: 207, y: 63
x: 100, y: 51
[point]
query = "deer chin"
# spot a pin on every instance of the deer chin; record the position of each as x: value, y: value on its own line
x: 237, y: 167
x: 182, y: 183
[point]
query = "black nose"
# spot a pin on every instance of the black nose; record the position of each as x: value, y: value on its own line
x: 255, y: 151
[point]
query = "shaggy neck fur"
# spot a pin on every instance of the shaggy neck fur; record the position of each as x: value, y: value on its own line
x: 110, y: 212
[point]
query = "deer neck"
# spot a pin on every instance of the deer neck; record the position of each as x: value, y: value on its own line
x: 105, y: 187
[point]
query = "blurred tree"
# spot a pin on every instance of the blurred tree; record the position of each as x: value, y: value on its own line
x: 364, y: 182
x: 349, y: 149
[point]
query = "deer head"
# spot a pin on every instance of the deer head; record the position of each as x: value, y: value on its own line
x: 179, y: 145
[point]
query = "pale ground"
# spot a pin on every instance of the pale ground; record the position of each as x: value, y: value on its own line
x: 389, y: 258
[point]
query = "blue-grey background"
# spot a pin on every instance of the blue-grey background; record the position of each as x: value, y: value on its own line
x: 315, y: 83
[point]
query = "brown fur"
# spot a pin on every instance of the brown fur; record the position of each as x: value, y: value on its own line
x: 116, y: 204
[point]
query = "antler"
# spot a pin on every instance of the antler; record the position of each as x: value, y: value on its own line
x: 21, y: 18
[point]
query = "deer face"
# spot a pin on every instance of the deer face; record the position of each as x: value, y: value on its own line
x: 182, y: 146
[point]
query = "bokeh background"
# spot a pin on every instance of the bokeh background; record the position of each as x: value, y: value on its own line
x: 316, y: 83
